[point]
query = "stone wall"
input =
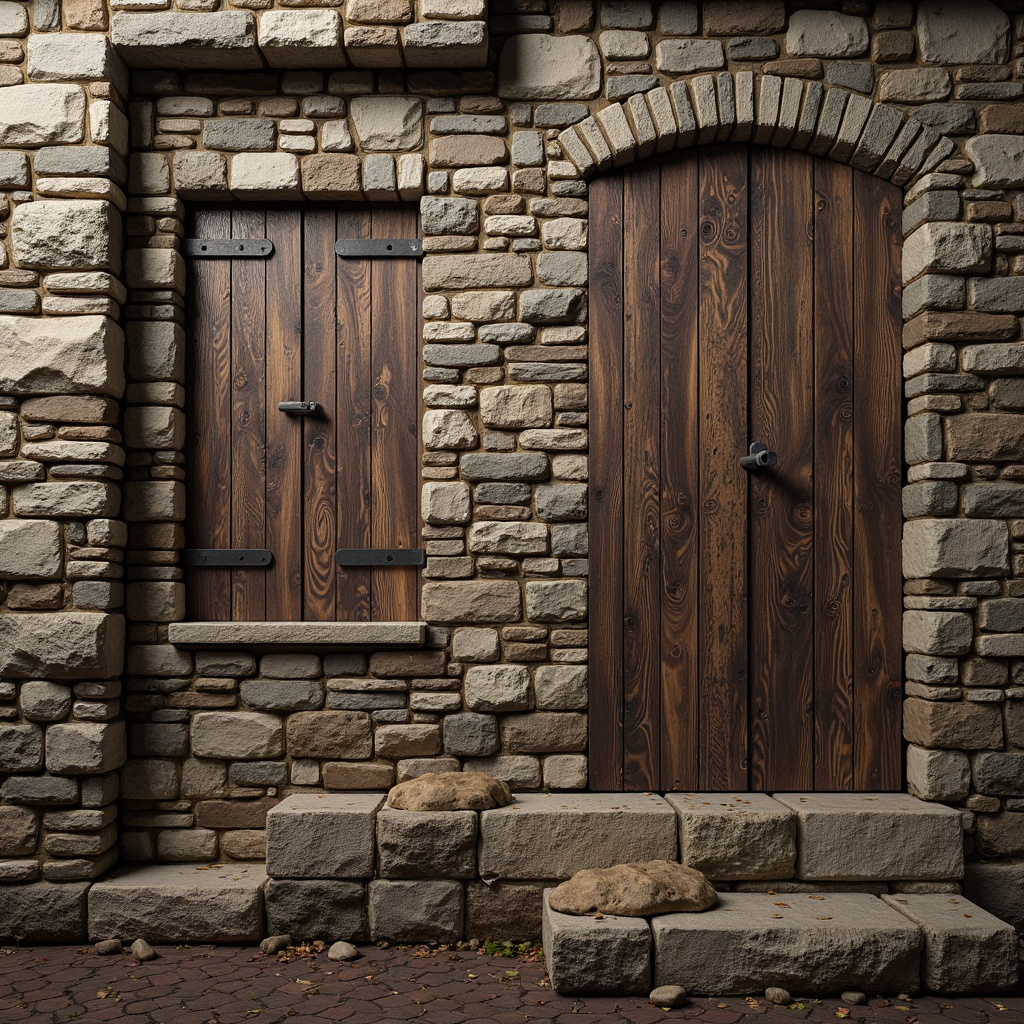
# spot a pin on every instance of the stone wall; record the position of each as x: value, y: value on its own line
x: 96, y: 164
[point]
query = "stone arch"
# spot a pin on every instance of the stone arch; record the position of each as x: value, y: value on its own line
x: 744, y: 107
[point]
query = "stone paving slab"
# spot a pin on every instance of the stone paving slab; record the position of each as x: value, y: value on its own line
x: 199, y: 984
x: 825, y: 943
x: 180, y: 903
x: 872, y: 836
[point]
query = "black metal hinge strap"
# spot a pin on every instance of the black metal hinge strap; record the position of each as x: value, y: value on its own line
x: 379, y: 247
x: 211, y: 558
x: 234, y: 248
x: 380, y: 556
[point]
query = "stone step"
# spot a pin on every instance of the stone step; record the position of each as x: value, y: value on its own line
x: 172, y: 903
x: 810, y: 944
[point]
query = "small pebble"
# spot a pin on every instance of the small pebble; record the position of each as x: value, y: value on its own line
x: 143, y: 951
x: 668, y: 995
x: 779, y: 996
x: 854, y: 998
x: 275, y: 943
x: 342, y: 951
x: 108, y: 947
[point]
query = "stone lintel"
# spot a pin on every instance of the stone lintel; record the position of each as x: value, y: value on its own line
x: 262, y: 635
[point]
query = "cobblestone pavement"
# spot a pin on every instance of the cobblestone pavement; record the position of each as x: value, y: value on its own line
x: 229, y: 985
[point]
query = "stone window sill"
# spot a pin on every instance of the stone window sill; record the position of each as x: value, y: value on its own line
x: 297, y: 635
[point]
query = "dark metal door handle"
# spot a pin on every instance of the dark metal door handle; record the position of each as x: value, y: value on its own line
x: 760, y: 457
x: 299, y: 408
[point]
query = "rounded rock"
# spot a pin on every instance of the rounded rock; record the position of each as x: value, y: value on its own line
x: 107, y: 947
x: 634, y: 890
x: 854, y: 998
x: 778, y: 996
x: 450, y: 791
x: 275, y: 943
x: 669, y: 996
x: 143, y: 951
x: 341, y: 951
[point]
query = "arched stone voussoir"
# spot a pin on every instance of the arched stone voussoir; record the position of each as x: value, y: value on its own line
x: 766, y: 109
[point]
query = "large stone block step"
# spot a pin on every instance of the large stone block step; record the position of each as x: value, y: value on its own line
x: 812, y: 944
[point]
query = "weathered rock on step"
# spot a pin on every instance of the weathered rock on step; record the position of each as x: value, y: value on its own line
x: 180, y: 903
x: 818, y: 944
x: 556, y: 835
x: 873, y: 836
x: 634, y: 890
x: 966, y: 949
x: 586, y: 955
x: 450, y: 791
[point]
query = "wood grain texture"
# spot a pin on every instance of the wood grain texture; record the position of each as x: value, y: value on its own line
x: 605, y: 391
x: 284, y: 433
x: 833, y: 476
x: 781, y: 500
x: 722, y: 632
x: 208, y: 415
x: 248, y: 416
x: 395, y: 423
x: 878, y: 477
x: 680, y: 459
x: 641, y: 479
x: 354, y: 340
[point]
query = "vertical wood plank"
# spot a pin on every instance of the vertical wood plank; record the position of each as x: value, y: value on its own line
x: 641, y: 479
x: 680, y: 712
x: 723, y: 487
x: 320, y: 530
x: 781, y: 595
x: 284, y: 433
x: 355, y: 414
x: 877, y: 669
x: 208, y: 362
x: 394, y: 448
x: 605, y: 417
x: 833, y: 476
x: 248, y: 410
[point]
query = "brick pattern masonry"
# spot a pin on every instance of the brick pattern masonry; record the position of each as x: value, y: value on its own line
x: 492, y: 121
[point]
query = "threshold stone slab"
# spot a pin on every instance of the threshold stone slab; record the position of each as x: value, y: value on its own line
x: 593, y: 956
x: 875, y: 836
x: 741, y: 836
x: 258, y: 635
x: 966, y: 949
x: 811, y: 944
x: 323, y: 835
x: 555, y: 835
x: 191, y: 903
x: 43, y: 912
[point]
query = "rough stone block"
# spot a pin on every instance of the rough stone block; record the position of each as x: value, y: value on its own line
x: 67, y: 645
x: 966, y: 949
x: 416, y: 911
x: 967, y: 725
x: 43, y: 912
x: 826, y: 34
x: 426, y: 844
x: 998, y: 887
x: 735, y: 835
x: 998, y: 159
x: 237, y: 735
x: 984, y: 437
x: 588, y: 956
x: 330, y: 734
x: 180, y: 903
x: 316, y: 909
x: 954, y: 548
x: 264, y: 176
x: 69, y: 355
x: 962, y: 32
x: 938, y: 774
x: 497, y: 688
x: 85, y: 748
x: 820, y: 944
x: 21, y: 747
x: 387, y: 123
x: 19, y: 831
x: 40, y: 115
x: 29, y: 549
x: 948, y: 247
x: 545, y: 67
x: 185, y: 39
x: 554, y: 836
x: 331, y: 176
x: 870, y: 836
x: 301, y: 39
x: 71, y: 234
x: 322, y: 836
x: 937, y: 632
x: 506, y: 911
x: 471, y: 601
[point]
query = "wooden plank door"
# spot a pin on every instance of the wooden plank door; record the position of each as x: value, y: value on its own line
x: 303, y: 324
x: 745, y: 625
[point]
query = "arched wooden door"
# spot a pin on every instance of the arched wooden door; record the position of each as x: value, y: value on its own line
x: 745, y: 623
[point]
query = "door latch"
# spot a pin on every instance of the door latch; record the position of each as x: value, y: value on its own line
x: 299, y: 408
x: 760, y: 457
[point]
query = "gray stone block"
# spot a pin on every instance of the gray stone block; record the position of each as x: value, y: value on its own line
x: 65, y: 645
x: 504, y: 911
x: 181, y: 903
x: 322, y: 836
x: 416, y: 911
x: 998, y: 887
x: 316, y: 909
x: 815, y: 944
x: 426, y: 844
x: 556, y: 835
x: 588, y: 956
x: 871, y: 836
x: 43, y: 912
x: 739, y: 836
x: 966, y: 949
